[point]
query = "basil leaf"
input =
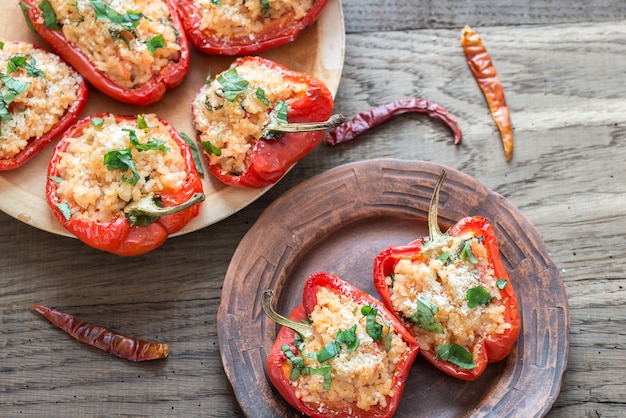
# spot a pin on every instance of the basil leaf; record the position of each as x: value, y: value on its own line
x: 64, y: 207
x: 122, y: 160
x: 19, y: 61
x: 444, y: 256
x: 501, y: 283
x: 324, y: 371
x: 129, y: 21
x: 260, y: 94
x: 329, y: 351
x: 141, y: 122
x: 456, y: 355
x: 348, y: 337
x: 25, y: 7
x: 216, y: 2
x: 425, y: 316
x: 155, y: 43
x: 49, y: 18
x: 233, y: 84
x: 56, y: 179
x: 210, y: 148
x: 281, y: 112
x: 477, y: 296
x: 194, y: 153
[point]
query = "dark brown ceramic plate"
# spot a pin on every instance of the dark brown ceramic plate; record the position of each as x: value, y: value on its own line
x: 338, y: 222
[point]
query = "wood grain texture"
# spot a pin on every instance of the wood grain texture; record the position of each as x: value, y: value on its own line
x: 562, y: 65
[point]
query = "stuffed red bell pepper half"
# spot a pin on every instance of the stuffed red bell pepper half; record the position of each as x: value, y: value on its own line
x: 235, y: 27
x: 453, y: 294
x: 122, y: 184
x: 40, y: 96
x: 258, y: 118
x: 340, y: 353
x: 131, y: 50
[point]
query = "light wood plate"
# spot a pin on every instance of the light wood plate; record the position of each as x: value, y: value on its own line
x: 319, y: 50
x: 338, y: 222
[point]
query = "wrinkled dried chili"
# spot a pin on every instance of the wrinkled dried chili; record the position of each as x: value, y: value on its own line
x: 380, y: 114
x: 119, y: 345
x: 485, y: 74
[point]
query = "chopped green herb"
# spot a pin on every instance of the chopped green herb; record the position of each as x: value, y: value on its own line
x: 233, y: 84
x: 1, y: 45
x: 216, y: 2
x: 373, y: 328
x: 97, y: 122
x: 56, y: 179
x: 64, y: 207
x: 194, y: 152
x: 298, y: 368
x: 141, y: 122
x: 348, y: 337
x: 128, y: 21
x: 152, y: 144
x: 501, y: 283
x: 209, y: 148
x: 10, y: 89
x: 155, y: 43
x: 49, y: 18
x: 260, y: 94
x: 455, y: 354
x: 425, y: 316
x: 477, y: 296
x: 122, y: 160
x: 467, y: 254
x: 281, y: 112
x: 25, y: 8
x: 20, y: 61
x: 444, y: 256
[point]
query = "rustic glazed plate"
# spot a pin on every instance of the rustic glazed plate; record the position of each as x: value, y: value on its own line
x: 338, y: 222
x: 319, y: 50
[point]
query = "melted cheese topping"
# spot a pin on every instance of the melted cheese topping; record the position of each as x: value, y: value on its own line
x: 446, y: 286
x: 40, y: 107
x: 363, y: 377
x: 122, y: 55
x: 96, y: 193
x: 236, y: 18
x: 235, y: 126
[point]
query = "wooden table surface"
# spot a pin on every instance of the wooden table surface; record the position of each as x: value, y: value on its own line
x: 563, y: 67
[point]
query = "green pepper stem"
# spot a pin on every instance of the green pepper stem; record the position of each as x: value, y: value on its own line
x: 305, y: 331
x: 147, y: 209
x: 275, y: 126
x: 434, y: 232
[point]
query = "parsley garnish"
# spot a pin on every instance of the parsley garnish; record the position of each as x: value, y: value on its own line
x: 122, y: 160
x: 128, y: 21
x: 13, y: 88
x: 232, y: 84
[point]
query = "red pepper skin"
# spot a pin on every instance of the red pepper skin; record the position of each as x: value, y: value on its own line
x: 378, y: 115
x: 36, y: 145
x: 276, y: 34
x: 119, y: 345
x: 278, y: 369
x: 148, y: 93
x: 271, y: 159
x: 119, y: 236
x: 493, y: 349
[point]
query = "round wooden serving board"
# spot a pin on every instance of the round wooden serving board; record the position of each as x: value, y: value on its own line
x: 338, y: 222
x: 318, y: 50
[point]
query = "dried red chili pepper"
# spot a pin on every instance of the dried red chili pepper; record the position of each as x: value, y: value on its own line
x: 253, y: 128
x: 41, y: 18
x: 275, y: 30
x: 119, y: 345
x: 455, y: 329
x: 484, y: 72
x: 375, y: 116
x: 362, y: 330
x: 147, y: 218
x: 26, y: 73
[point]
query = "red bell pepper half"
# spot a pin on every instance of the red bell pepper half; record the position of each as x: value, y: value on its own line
x: 289, y: 129
x: 40, y: 17
x: 468, y: 249
x: 278, y: 27
x: 36, y: 144
x: 374, y: 330
x: 145, y: 222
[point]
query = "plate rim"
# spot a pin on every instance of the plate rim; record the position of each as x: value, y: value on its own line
x: 243, y: 386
